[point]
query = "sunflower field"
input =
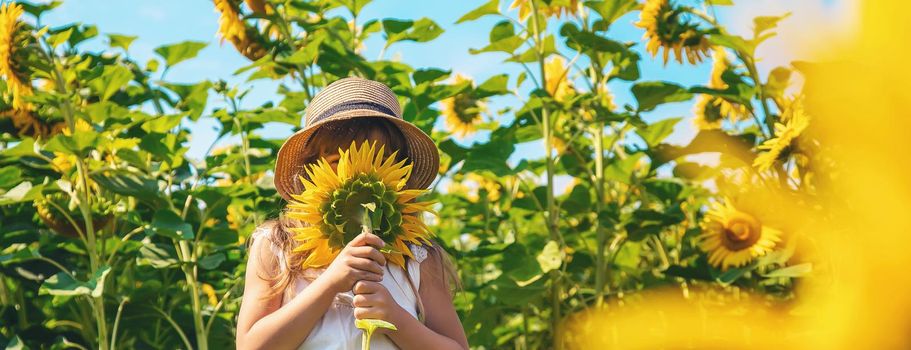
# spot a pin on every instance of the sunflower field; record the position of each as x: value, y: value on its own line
x: 608, y: 235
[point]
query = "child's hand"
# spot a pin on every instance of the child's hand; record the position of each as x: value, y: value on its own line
x: 359, y: 260
x: 373, y: 301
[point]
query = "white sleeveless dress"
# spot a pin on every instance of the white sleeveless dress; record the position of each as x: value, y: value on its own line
x: 336, y: 330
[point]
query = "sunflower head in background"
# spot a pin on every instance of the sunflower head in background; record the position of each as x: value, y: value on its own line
x: 733, y: 238
x: 463, y: 112
x: 367, y: 190
x: 15, y: 41
x: 667, y: 26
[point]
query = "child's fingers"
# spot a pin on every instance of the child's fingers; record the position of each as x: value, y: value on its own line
x: 366, y: 300
x: 366, y: 287
x: 369, y: 253
x: 368, y: 313
x: 366, y: 265
x: 367, y: 238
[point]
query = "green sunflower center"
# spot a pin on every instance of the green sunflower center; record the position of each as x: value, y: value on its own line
x: 362, y: 201
x: 466, y: 108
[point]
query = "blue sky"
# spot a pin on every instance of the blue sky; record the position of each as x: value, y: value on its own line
x: 168, y: 21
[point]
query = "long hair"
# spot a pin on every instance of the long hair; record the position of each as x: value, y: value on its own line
x: 330, y: 137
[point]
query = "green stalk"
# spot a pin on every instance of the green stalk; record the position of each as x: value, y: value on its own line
x: 551, y: 219
x: 601, y: 235
x: 769, y: 124
x: 189, y: 271
x: 84, y: 208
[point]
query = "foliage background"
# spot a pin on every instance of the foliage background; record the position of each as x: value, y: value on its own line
x: 116, y: 227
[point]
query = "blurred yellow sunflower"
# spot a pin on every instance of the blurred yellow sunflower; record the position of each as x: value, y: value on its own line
x: 711, y: 110
x: 209, y: 292
x: 569, y: 7
x: 487, y: 185
x: 733, y: 238
x: 231, y: 27
x: 793, y: 122
x: 17, y: 81
x: 366, y: 190
x: 462, y: 111
x: 664, y: 28
x: 708, y: 112
x: 558, y: 84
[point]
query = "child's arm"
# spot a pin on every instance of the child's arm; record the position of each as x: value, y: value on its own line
x: 265, y: 324
x: 442, y: 328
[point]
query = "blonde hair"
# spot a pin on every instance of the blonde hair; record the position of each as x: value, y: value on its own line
x: 335, y: 134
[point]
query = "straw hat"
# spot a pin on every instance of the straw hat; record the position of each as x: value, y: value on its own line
x: 350, y: 98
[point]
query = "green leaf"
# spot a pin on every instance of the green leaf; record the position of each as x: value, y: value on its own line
x: 799, y: 270
x: 489, y: 8
x: 422, y: 30
x: 531, y: 55
x: 8, y: 176
x: 163, y: 124
x: 590, y: 42
x: 25, y: 148
x: 551, y: 258
x: 610, y: 11
x: 355, y: 6
x: 503, y: 38
x: 764, y: 23
x: 39, y: 8
x: 668, y: 190
x: 122, y: 41
x: 59, y: 38
x: 490, y: 156
x: 733, y: 274
x: 159, y: 256
x: 78, y: 33
x: 735, y: 42
x: 169, y: 224
x: 650, y: 94
x: 777, y: 82
x: 113, y: 78
x: 16, y: 253
x: 720, y: 2
x: 211, y: 262
x: 15, y: 343
x: 621, y: 169
x: 23, y: 192
x: 179, y: 52
x: 130, y: 184
x: 79, y: 144
x: 495, y: 85
x: 628, y: 256
x: 578, y: 201
x: 654, y: 133
x: 522, y: 268
x: 62, y: 284
x: 421, y: 76
x: 193, y: 97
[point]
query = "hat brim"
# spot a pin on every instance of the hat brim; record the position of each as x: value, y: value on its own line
x: 422, y: 152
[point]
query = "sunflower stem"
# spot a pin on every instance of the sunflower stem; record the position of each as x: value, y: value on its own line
x: 551, y: 218
x: 97, y: 303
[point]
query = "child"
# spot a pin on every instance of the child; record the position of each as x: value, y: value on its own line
x: 287, y: 307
